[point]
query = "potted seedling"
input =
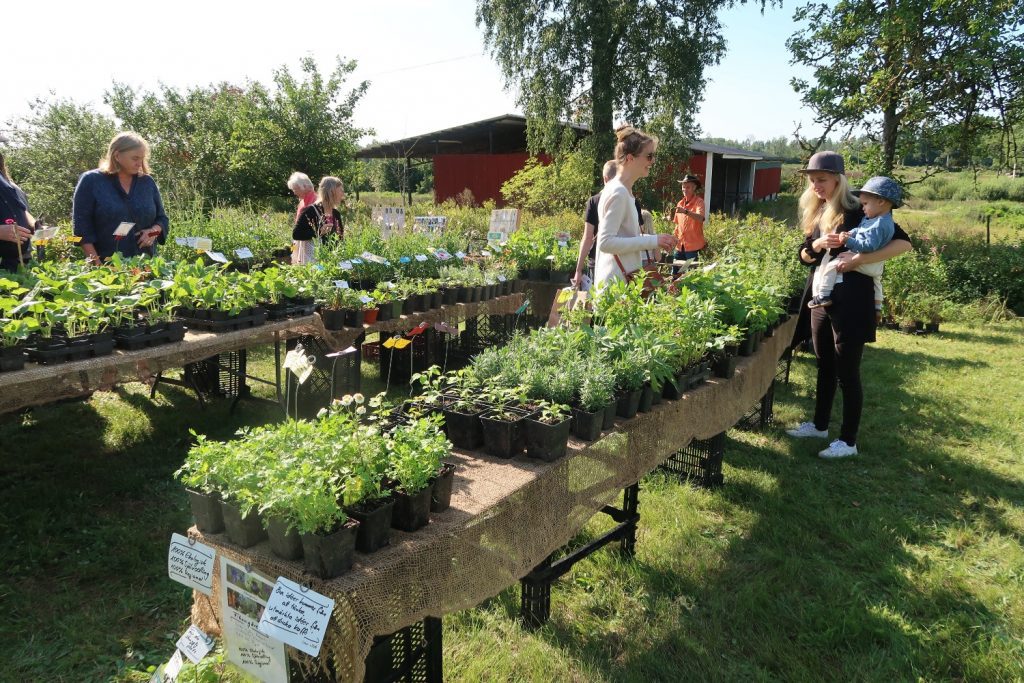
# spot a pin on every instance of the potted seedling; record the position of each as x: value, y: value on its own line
x: 501, y: 424
x: 462, y: 415
x: 415, y: 452
x: 629, y: 380
x: 547, y: 433
x: 597, y: 393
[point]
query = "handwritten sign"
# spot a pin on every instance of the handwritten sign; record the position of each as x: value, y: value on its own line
x: 430, y: 223
x: 195, y: 644
x: 391, y: 216
x: 168, y: 673
x: 300, y: 365
x: 191, y: 563
x: 123, y: 229
x: 244, y: 252
x: 243, y: 597
x: 296, y: 616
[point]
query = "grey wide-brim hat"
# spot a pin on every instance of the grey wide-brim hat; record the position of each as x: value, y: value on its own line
x: 829, y: 162
x: 886, y: 188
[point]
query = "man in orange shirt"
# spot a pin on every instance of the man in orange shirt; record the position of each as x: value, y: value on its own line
x: 688, y: 215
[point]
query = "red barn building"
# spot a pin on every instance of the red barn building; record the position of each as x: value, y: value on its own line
x: 481, y: 156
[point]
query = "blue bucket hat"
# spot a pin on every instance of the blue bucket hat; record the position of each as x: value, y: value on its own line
x: 883, y: 187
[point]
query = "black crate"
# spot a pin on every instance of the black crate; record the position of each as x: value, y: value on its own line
x: 220, y: 375
x: 762, y: 414
x: 331, y: 377
x: 700, y: 462
x: 785, y: 364
x: 422, y: 351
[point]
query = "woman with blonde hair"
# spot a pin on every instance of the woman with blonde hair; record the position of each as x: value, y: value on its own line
x: 319, y: 220
x: 621, y: 245
x: 119, y: 197
x: 840, y: 331
x: 302, y: 187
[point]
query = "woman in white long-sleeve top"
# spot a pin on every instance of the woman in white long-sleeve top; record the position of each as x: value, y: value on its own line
x: 620, y: 243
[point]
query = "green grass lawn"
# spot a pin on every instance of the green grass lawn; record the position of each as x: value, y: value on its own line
x: 904, y: 563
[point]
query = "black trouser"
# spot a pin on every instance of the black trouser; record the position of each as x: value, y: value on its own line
x: 837, y: 363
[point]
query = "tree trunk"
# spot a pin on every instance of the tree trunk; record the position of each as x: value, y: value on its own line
x: 602, y: 53
x: 890, y: 129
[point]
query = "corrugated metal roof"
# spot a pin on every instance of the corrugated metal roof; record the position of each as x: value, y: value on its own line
x: 729, y: 151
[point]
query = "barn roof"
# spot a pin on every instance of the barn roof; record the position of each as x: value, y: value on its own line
x: 727, y: 152
x: 498, y: 135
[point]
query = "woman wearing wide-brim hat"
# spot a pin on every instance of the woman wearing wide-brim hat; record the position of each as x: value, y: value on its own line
x: 689, y: 215
x: 840, y: 331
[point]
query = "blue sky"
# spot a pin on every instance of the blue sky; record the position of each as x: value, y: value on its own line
x: 424, y: 58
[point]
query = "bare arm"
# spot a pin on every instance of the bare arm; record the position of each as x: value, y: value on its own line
x: 849, y: 261
x: 585, y: 244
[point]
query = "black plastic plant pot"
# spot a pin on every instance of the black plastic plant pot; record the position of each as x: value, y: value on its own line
x: 374, y: 524
x: 450, y: 296
x: 218, y: 315
x: 931, y: 327
x: 535, y: 273
x: 420, y: 302
x: 725, y: 366
x: 334, y: 318
x: 646, y: 399
x: 464, y: 430
x: 412, y: 510
x: 674, y: 388
x: 586, y: 425
x: 465, y: 295
x: 545, y: 441
x: 244, y: 531
x: 396, y: 308
x: 131, y: 330
x: 331, y: 555
x: 175, y: 330
x: 353, y: 318
x: 657, y: 395
x: 628, y: 404
x: 206, y: 511
x: 284, y: 542
x: 409, y: 305
x: 749, y: 345
x: 501, y: 437
x: 609, y: 415
x: 441, y: 490
x: 436, y: 299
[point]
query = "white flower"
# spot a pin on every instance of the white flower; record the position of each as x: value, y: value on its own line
x: 358, y: 398
x: 346, y: 400
x: 321, y: 413
x: 361, y: 410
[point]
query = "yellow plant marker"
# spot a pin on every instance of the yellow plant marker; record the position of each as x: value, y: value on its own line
x: 389, y: 343
x: 75, y: 239
x: 564, y: 295
x: 402, y: 343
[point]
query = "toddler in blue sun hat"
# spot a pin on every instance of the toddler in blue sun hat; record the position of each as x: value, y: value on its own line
x: 878, y: 197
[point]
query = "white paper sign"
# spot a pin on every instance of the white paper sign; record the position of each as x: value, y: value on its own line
x: 421, y: 257
x: 217, y: 256
x: 191, y: 563
x: 501, y: 278
x: 296, y: 616
x: 168, y: 673
x: 346, y: 265
x: 430, y: 223
x: 460, y: 254
x: 47, y: 233
x: 365, y: 299
x: 300, y: 365
x: 341, y: 284
x: 203, y: 244
x: 181, y: 241
x: 123, y: 229
x: 441, y: 255
x: 243, y: 597
x: 389, y: 216
x: 195, y: 644
x: 190, y: 242
x: 244, y: 252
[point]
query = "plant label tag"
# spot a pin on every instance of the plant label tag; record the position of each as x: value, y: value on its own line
x: 365, y: 299
x: 244, y: 252
x: 502, y: 278
x: 181, y: 241
x: 564, y: 295
x: 345, y: 265
x: 523, y: 308
x: 441, y: 255
x: 563, y: 244
x: 297, y: 616
x: 357, y: 261
x: 191, y: 563
x: 168, y: 673
x: 460, y: 255
x: 405, y: 259
x: 562, y: 237
x: 217, y: 257
x: 549, y: 257
x: 299, y: 364
x: 190, y: 242
x: 204, y: 244
x: 47, y: 233
x: 123, y: 229
x: 195, y: 644
x: 341, y: 284
x: 421, y: 257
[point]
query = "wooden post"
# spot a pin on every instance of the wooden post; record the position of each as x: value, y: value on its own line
x: 988, y: 230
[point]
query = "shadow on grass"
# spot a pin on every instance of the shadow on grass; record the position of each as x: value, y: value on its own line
x: 87, y: 505
x: 824, y: 585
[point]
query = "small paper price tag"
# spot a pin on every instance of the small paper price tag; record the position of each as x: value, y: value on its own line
x: 357, y: 261
x: 441, y: 255
x: 123, y: 229
x: 421, y: 257
x: 217, y: 256
x: 365, y: 299
x: 195, y: 644
x: 346, y: 265
x: 191, y: 563
x: 502, y: 278
x: 563, y: 244
x: 181, y: 241
x: 341, y: 284
x: 168, y: 673
x: 204, y: 244
x: 296, y: 616
x: 405, y: 259
x: 549, y: 257
x: 460, y: 254
x: 244, y: 252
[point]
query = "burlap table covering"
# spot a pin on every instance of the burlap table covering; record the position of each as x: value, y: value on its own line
x: 41, y: 384
x: 506, y: 517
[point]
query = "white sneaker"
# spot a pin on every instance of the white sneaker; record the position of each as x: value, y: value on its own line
x: 807, y: 430
x: 838, y: 449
